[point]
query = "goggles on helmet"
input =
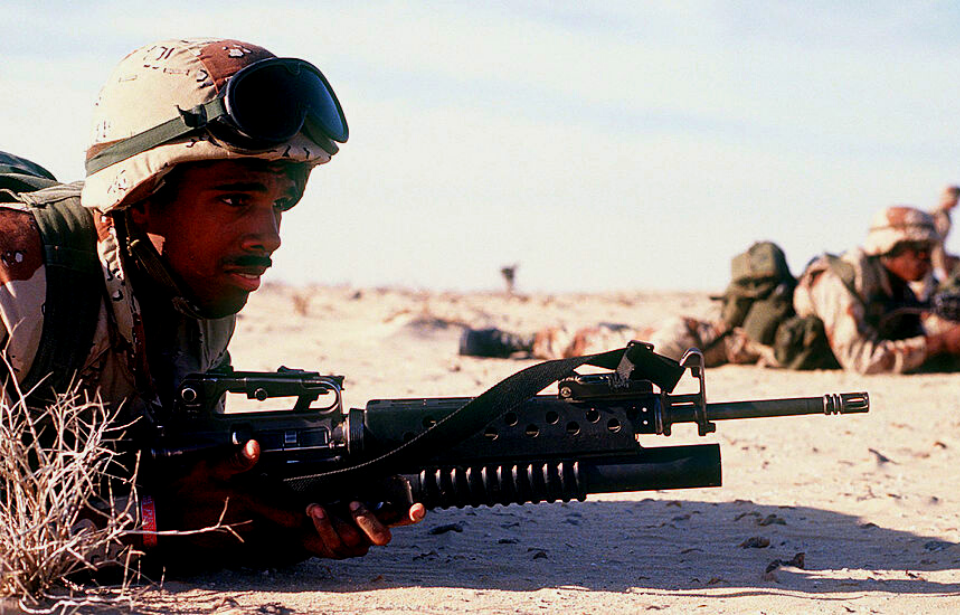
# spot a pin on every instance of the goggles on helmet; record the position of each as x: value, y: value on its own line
x: 263, y: 104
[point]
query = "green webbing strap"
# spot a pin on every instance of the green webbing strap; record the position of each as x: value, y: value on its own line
x: 637, y: 361
x: 184, y: 124
x: 844, y: 271
x: 72, y: 306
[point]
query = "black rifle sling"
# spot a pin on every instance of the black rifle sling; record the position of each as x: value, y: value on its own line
x: 74, y: 295
x: 637, y: 361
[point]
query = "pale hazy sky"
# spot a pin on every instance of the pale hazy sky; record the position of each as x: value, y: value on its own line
x: 605, y: 145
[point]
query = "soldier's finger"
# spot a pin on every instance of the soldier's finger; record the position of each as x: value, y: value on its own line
x: 329, y: 539
x: 391, y: 516
x: 333, y: 537
x: 375, y: 531
x: 415, y: 514
x: 236, y: 462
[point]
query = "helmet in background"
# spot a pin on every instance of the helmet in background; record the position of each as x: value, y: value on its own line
x: 896, y: 224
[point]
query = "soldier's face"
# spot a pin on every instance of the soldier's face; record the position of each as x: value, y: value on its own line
x: 216, y: 227
x: 910, y: 261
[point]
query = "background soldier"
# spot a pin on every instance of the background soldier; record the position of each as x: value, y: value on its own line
x: 720, y: 344
x: 858, y: 297
x: 856, y: 311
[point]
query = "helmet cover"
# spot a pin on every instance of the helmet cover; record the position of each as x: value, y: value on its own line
x: 146, y: 89
x: 896, y: 224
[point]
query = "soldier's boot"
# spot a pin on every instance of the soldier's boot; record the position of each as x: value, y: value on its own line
x: 493, y: 343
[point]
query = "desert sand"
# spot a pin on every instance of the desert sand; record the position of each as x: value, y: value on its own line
x: 861, y: 511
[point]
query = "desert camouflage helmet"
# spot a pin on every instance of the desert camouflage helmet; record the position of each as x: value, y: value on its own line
x: 898, y: 223
x: 151, y: 86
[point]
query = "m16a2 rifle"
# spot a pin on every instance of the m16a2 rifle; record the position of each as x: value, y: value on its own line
x: 506, y: 446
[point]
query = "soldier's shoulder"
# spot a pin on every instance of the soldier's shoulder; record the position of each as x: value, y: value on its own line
x: 846, y: 268
x: 21, y: 248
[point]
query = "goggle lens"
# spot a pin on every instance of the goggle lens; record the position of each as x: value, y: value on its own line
x: 323, y: 109
x: 271, y: 102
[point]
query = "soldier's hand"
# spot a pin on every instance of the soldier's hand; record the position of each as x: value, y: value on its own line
x: 947, y: 341
x: 338, y: 539
x: 952, y: 339
x: 272, y: 530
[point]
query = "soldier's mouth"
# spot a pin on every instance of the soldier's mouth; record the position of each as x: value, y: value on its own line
x: 245, y: 270
x: 245, y: 281
x: 246, y: 278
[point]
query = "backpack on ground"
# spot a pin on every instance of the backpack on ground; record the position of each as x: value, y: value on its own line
x: 801, y: 343
x: 760, y: 294
x: 759, y: 299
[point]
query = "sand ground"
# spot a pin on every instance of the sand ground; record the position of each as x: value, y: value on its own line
x: 870, y: 501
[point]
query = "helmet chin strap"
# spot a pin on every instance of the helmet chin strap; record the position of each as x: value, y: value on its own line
x: 139, y: 247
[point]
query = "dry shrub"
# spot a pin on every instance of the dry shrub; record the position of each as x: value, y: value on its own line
x: 52, y: 464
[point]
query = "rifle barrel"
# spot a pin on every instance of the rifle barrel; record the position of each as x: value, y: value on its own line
x: 831, y: 403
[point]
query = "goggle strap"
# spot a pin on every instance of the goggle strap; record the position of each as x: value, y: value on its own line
x: 185, y: 123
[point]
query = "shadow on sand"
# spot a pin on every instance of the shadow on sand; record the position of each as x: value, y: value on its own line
x: 645, y: 545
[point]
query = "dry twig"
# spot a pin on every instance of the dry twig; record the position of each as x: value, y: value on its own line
x: 53, y: 464
x: 68, y: 506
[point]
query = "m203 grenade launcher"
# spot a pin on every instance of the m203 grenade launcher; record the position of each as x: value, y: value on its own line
x: 500, y: 448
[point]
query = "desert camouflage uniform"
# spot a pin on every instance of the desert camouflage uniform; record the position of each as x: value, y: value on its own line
x: 670, y: 338
x: 116, y: 366
x: 861, y: 336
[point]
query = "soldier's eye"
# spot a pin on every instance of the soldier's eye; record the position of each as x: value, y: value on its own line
x: 234, y: 200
